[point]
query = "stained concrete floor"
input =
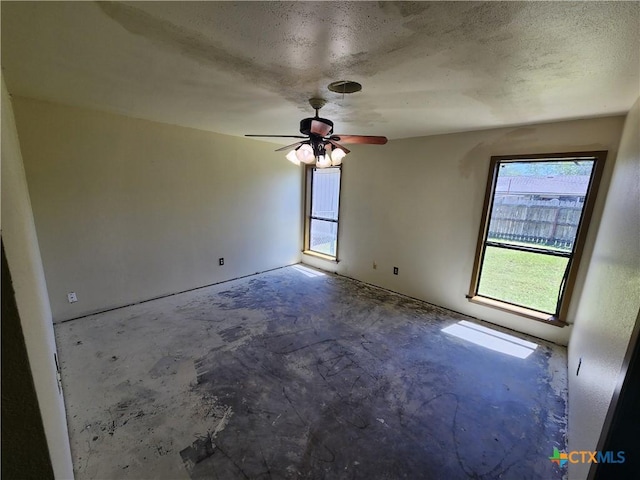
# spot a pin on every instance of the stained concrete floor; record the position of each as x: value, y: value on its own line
x: 285, y: 375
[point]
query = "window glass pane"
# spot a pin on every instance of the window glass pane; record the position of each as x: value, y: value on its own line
x: 323, y: 237
x: 325, y: 193
x: 539, y: 203
x: 531, y: 233
x: 527, y: 279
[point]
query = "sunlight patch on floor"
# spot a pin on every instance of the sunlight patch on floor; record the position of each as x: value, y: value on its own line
x: 307, y: 271
x: 491, y: 339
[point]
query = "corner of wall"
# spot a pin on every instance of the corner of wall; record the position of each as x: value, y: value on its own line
x: 610, y: 301
x: 23, y: 257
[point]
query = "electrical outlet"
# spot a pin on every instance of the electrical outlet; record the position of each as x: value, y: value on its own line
x: 375, y: 265
x: 72, y: 297
x: 395, y: 270
x: 221, y: 261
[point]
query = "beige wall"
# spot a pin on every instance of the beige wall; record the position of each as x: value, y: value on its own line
x: 416, y: 204
x: 23, y: 257
x: 610, y: 301
x: 127, y: 209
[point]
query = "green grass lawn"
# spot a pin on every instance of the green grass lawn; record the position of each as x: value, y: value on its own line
x: 528, y: 279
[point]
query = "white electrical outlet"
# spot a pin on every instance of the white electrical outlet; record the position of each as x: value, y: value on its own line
x: 71, y: 296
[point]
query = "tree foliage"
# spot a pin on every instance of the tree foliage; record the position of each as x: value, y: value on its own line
x: 546, y: 169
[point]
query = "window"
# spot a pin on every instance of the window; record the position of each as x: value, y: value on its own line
x: 534, y: 224
x: 323, y: 204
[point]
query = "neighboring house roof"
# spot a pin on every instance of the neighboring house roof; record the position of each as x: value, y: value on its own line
x: 575, y: 185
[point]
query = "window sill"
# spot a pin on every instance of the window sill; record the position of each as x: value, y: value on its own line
x: 321, y: 256
x: 516, y: 310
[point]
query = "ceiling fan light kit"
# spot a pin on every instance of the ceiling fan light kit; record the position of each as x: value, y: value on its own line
x: 336, y: 156
x: 305, y: 153
x: 318, y: 144
x: 293, y: 157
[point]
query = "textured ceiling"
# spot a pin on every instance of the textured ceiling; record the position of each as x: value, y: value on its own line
x: 249, y: 67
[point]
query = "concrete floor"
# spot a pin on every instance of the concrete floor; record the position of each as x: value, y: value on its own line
x: 288, y: 375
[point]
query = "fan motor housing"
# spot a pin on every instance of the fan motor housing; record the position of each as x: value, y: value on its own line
x: 305, y: 124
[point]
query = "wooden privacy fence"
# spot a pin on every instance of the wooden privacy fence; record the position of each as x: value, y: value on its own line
x: 543, y: 222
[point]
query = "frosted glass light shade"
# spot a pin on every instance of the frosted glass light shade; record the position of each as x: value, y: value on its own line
x: 323, y: 161
x: 293, y: 158
x: 336, y: 156
x: 305, y: 154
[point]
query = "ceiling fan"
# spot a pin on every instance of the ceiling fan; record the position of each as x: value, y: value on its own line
x: 320, y: 145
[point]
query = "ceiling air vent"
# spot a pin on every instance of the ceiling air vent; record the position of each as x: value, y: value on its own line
x: 345, y: 86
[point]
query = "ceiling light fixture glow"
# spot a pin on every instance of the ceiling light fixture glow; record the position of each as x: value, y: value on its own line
x: 336, y: 156
x: 323, y: 161
x: 305, y: 154
x: 293, y: 157
x: 323, y: 154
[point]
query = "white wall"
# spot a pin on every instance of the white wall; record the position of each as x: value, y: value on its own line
x: 610, y: 301
x: 128, y: 210
x: 23, y: 256
x: 417, y: 203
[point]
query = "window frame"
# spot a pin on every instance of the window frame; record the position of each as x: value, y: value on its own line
x: 559, y: 318
x: 308, y: 208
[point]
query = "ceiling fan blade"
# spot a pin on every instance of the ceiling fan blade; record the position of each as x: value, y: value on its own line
x: 289, y: 147
x: 320, y: 128
x: 337, y: 145
x: 277, y: 136
x: 369, y: 139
